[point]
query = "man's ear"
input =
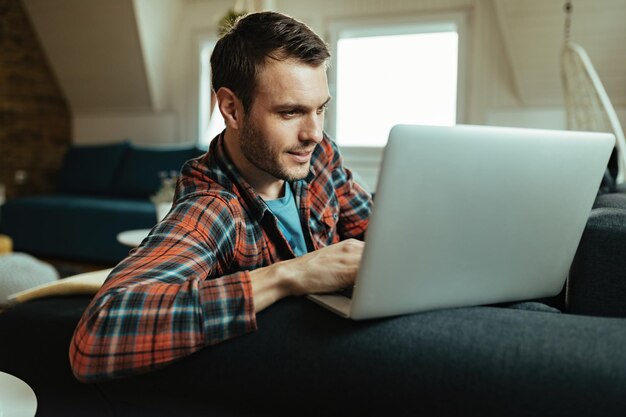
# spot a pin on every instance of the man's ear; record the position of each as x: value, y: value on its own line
x: 230, y: 106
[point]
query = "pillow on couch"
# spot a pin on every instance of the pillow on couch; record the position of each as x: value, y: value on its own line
x: 21, y: 271
x: 139, y: 174
x: 90, y: 169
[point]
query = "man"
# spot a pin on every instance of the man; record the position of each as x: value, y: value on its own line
x: 267, y: 213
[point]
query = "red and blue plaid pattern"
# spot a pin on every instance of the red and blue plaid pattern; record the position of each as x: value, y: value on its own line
x: 187, y: 285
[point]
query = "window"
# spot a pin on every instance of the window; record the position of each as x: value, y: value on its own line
x: 387, y: 73
x: 210, y: 121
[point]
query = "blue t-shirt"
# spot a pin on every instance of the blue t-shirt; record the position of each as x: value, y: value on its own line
x: 286, y: 212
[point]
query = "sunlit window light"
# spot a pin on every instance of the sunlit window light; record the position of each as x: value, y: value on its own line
x: 211, y: 122
x: 386, y: 80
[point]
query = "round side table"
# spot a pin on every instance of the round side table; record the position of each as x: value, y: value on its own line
x: 132, y: 238
x: 17, y: 399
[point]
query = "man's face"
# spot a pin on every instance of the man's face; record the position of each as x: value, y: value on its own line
x: 286, y: 118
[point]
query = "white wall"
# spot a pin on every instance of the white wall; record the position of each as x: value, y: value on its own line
x: 141, y: 129
x: 536, y: 117
x: 540, y: 118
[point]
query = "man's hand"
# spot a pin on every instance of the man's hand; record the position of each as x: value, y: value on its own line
x: 325, y: 270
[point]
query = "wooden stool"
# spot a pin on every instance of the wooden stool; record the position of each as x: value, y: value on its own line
x: 6, y: 244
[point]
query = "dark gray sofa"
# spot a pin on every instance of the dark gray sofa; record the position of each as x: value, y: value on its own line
x: 483, y: 361
x: 102, y: 191
x: 598, y: 275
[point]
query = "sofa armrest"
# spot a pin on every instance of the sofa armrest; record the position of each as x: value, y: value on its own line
x: 597, y: 280
x: 306, y: 361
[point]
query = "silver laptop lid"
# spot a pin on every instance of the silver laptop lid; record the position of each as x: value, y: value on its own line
x: 470, y: 215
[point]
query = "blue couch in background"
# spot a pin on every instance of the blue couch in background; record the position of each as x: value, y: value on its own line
x: 102, y: 190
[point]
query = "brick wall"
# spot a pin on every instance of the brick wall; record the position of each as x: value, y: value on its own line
x: 35, y: 126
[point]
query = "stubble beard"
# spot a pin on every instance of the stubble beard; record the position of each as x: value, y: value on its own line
x: 259, y: 153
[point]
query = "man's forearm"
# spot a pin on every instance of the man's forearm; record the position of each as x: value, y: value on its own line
x: 270, y: 284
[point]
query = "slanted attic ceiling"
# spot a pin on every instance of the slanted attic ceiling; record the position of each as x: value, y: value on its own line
x: 106, y: 59
x: 95, y: 51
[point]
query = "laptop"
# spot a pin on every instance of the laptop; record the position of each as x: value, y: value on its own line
x: 473, y: 215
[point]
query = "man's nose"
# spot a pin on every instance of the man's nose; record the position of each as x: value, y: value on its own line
x: 312, y: 129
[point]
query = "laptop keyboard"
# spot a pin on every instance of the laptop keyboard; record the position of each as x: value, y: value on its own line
x: 346, y: 292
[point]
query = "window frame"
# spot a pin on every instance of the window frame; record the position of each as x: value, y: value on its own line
x: 204, y: 41
x: 394, y: 25
x: 363, y: 159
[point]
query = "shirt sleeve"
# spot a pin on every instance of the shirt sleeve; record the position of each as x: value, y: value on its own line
x: 354, y: 201
x: 169, y: 298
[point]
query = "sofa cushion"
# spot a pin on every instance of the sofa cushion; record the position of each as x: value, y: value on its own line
x: 597, y: 284
x: 139, y: 174
x: 91, y: 169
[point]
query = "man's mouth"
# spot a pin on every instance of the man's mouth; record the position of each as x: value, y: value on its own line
x: 302, y: 156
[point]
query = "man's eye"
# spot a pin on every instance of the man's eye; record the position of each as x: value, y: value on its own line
x: 289, y: 113
x: 322, y: 109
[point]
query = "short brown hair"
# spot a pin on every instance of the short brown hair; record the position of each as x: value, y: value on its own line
x: 241, y: 53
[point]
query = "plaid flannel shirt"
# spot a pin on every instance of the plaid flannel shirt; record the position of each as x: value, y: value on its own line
x: 187, y: 285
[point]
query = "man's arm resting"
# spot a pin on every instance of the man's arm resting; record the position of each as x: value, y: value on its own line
x: 170, y: 298
x: 140, y: 323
